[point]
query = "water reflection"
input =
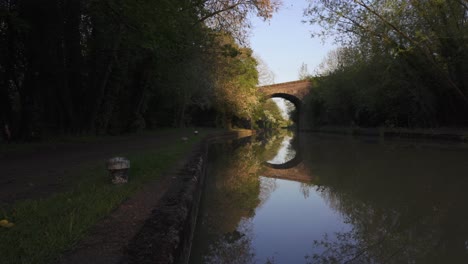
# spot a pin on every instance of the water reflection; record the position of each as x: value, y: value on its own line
x: 233, y: 192
x: 406, y: 202
x: 289, y: 156
x: 286, y: 152
x: 349, y: 200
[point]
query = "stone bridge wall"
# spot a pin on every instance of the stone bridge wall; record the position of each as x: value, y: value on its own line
x: 298, y: 89
x: 294, y: 92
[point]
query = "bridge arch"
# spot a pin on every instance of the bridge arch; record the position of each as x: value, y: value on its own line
x: 292, y: 91
x: 292, y: 162
x: 287, y: 165
x: 293, y: 99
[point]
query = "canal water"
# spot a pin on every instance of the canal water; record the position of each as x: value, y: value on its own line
x: 313, y: 198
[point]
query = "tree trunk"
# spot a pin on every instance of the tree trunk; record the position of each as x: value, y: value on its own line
x: 73, y: 61
x: 6, y: 110
x: 101, y: 78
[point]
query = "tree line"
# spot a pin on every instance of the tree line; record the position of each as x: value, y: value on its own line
x: 114, y: 66
x: 401, y: 63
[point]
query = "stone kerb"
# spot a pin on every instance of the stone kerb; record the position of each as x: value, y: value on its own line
x: 166, y: 236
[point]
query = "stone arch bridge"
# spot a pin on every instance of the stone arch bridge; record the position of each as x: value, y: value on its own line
x: 292, y: 91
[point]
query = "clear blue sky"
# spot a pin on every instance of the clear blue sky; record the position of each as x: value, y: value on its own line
x: 284, y: 42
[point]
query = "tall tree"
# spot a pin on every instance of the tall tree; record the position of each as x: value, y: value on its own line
x: 421, y: 42
x: 109, y: 66
x: 232, y: 15
x: 265, y: 75
x: 303, y: 72
x: 236, y: 93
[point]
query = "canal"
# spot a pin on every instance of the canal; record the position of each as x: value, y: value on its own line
x: 316, y: 198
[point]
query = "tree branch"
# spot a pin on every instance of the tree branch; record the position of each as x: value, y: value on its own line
x: 429, y: 56
x: 217, y: 12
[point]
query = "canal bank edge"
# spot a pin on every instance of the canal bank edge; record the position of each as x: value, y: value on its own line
x: 166, y: 236
x: 459, y: 135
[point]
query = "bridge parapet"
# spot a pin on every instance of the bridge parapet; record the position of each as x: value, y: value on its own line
x: 299, y: 89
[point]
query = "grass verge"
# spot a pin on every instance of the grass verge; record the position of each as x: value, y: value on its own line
x: 46, y: 228
x: 55, y: 142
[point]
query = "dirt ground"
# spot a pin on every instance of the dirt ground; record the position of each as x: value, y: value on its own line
x: 42, y: 171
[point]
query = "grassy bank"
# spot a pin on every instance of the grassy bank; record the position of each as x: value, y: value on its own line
x: 47, y: 227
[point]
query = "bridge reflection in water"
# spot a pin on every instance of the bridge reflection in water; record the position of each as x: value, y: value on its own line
x: 367, y: 201
x: 293, y: 168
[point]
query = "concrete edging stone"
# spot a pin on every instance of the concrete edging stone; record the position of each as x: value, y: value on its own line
x: 167, y: 234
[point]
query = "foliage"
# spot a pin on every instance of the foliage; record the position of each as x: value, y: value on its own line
x: 265, y: 75
x: 272, y: 117
x: 236, y: 93
x: 304, y: 72
x: 232, y: 15
x: 403, y: 63
x: 113, y: 66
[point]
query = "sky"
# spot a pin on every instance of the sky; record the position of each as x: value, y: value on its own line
x: 284, y: 42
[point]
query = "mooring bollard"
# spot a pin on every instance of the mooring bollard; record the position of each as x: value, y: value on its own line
x: 118, y: 169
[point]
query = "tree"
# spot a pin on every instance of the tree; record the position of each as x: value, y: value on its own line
x: 265, y: 75
x: 232, y: 15
x: 401, y: 26
x: 272, y: 116
x: 418, y: 44
x: 337, y: 59
x: 113, y: 66
x: 235, y: 90
x: 303, y: 72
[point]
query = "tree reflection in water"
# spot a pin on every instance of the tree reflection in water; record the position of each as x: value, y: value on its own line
x: 235, y: 193
x: 401, y: 202
x: 403, y: 206
x: 233, y: 247
x: 285, y: 153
